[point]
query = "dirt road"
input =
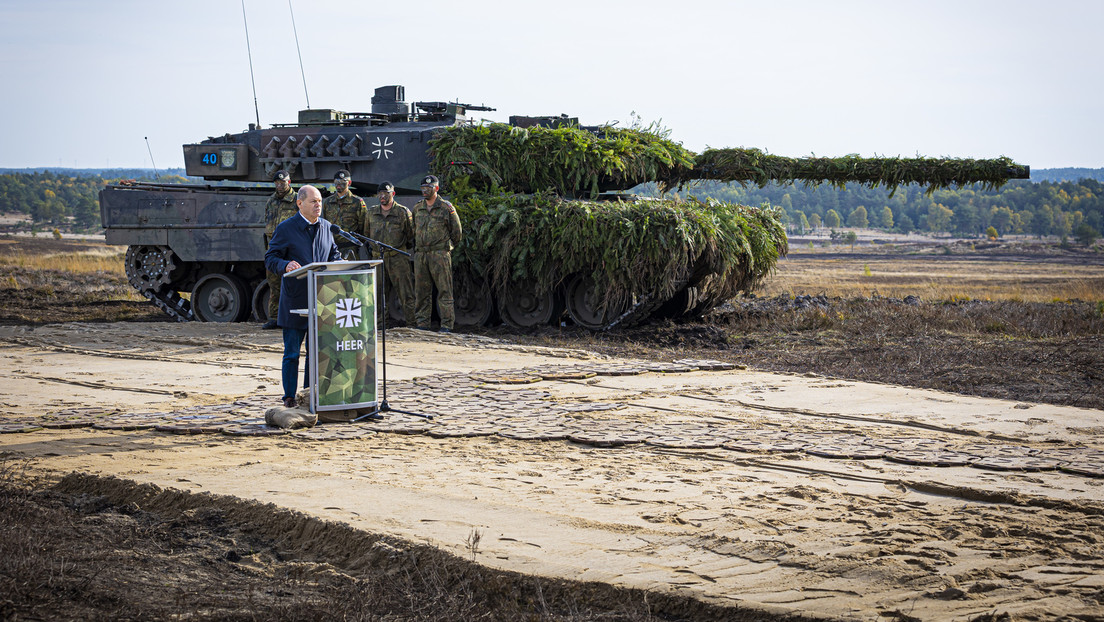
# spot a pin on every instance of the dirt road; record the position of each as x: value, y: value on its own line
x: 773, y: 493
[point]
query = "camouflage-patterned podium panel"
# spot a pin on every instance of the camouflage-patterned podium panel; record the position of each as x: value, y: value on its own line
x: 343, y: 331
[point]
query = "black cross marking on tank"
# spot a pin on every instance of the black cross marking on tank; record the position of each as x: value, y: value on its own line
x: 382, y: 151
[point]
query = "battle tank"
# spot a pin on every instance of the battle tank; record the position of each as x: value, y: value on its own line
x: 550, y: 234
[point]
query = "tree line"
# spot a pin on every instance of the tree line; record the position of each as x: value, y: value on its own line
x: 65, y: 199
x: 1062, y: 209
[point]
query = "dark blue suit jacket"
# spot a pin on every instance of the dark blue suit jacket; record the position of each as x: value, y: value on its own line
x: 292, y: 242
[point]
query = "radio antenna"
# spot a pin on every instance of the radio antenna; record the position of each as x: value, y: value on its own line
x: 301, y: 71
x: 155, y: 173
x: 249, y: 51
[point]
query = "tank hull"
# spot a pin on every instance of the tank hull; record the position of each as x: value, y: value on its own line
x: 197, y: 252
x: 184, y: 236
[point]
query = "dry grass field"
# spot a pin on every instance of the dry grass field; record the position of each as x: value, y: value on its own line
x: 1018, y: 275
x: 55, y: 280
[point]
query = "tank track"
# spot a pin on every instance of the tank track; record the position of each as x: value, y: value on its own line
x: 171, y: 303
x: 634, y: 314
x: 149, y: 270
x: 642, y: 310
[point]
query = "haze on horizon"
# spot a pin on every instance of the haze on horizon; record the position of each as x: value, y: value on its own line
x: 976, y: 78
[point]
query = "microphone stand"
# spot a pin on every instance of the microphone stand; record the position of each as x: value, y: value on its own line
x: 384, y: 407
x: 365, y: 239
x: 337, y: 231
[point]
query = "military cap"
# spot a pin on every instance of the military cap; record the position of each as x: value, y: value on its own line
x: 386, y: 187
x: 342, y: 175
x: 281, y: 175
x: 430, y: 180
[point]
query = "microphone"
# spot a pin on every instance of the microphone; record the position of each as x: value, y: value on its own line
x: 336, y: 230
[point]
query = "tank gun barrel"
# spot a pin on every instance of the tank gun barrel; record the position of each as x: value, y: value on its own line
x: 755, y: 166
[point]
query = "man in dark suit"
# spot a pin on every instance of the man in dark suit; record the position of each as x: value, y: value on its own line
x: 300, y: 240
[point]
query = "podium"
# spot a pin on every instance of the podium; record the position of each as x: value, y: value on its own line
x: 341, y: 324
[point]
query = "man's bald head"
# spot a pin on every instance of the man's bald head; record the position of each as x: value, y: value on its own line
x: 305, y: 191
x: 309, y: 201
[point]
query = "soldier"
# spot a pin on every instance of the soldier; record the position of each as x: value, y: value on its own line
x: 344, y: 208
x: 281, y: 206
x: 436, y: 232
x: 393, y: 224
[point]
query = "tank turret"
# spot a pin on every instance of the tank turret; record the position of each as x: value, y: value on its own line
x: 390, y: 143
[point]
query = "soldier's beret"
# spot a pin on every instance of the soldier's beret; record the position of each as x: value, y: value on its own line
x: 282, y: 175
x: 430, y: 180
x: 342, y: 175
x: 386, y: 187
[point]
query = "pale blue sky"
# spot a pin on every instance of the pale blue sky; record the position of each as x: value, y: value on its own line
x: 88, y: 80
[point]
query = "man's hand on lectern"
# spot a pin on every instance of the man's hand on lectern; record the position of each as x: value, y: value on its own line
x: 292, y: 265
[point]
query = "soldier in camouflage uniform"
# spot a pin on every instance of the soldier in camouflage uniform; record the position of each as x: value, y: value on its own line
x: 436, y: 232
x: 281, y: 206
x: 345, y: 209
x: 393, y: 224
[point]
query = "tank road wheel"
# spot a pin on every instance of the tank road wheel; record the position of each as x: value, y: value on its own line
x: 220, y: 298
x: 262, y: 294
x: 149, y: 268
x: 521, y: 306
x: 473, y: 302
x: 584, y: 304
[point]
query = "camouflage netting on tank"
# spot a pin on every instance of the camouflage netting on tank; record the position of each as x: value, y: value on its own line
x: 565, y: 160
x: 645, y: 247
x: 573, y: 161
x: 755, y: 166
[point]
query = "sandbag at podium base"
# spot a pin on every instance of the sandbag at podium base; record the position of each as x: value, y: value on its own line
x: 290, y: 418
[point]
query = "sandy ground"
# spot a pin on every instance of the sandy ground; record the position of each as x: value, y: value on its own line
x: 730, y: 485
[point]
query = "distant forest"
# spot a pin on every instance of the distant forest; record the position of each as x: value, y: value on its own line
x: 1060, y: 209
x: 65, y: 199
x: 106, y: 173
x: 1067, y: 174
x: 1052, y: 203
